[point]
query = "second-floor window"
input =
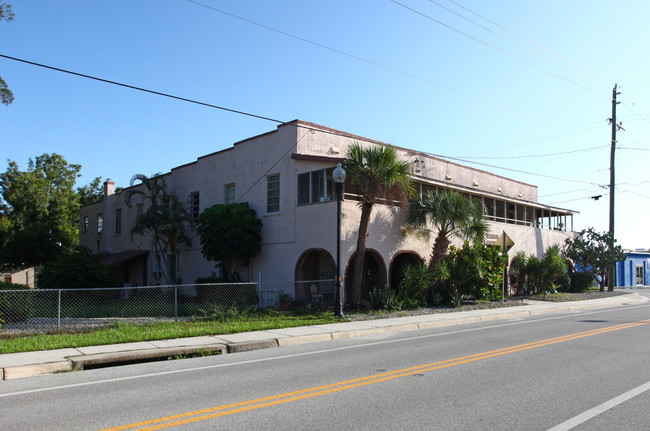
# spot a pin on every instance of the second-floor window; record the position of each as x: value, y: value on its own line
x: 315, y: 187
x: 100, y: 223
x: 194, y: 206
x: 273, y: 193
x: 84, y: 226
x: 118, y: 221
x: 229, y: 193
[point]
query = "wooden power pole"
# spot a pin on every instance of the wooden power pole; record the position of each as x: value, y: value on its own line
x: 612, y: 183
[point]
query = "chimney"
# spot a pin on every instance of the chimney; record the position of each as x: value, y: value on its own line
x: 109, y: 187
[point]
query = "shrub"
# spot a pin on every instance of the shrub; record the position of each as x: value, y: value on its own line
x: 384, y: 299
x: 416, y: 279
x: 78, y: 270
x: 15, y: 306
x: 580, y: 281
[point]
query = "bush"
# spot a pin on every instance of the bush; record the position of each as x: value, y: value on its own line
x: 580, y: 282
x: 416, y: 279
x: 78, y: 270
x: 15, y: 306
x: 384, y: 299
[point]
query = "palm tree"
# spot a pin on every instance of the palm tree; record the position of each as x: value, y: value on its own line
x: 166, y: 219
x: 376, y: 172
x: 451, y: 214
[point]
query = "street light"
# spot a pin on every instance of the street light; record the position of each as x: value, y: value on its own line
x: 339, y: 178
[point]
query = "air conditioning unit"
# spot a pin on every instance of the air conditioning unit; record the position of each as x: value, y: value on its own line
x: 157, y: 274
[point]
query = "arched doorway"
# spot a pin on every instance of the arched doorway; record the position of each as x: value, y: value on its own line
x: 400, y: 260
x: 315, y: 267
x: 374, y: 274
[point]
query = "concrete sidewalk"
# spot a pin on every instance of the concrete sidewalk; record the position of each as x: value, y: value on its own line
x: 17, y: 365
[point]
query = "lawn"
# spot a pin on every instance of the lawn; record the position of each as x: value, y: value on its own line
x: 124, y: 332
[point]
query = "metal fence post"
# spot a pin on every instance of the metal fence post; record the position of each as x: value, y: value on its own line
x: 259, y: 289
x: 58, y: 312
x: 176, y: 303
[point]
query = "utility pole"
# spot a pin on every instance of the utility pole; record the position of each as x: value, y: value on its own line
x: 612, y: 183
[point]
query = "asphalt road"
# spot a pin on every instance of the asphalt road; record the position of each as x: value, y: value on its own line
x: 583, y: 371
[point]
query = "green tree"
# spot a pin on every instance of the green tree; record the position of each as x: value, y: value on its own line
x: 450, y: 214
x: 229, y: 232
x: 77, y: 270
x: 592, y: 252
x: 6, y: 14
x: 92, y: 192
x: 376, y: 173
x: 166, y: 219
x: 39, y: 210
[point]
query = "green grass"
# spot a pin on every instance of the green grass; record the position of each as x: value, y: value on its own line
x: 122, y: 332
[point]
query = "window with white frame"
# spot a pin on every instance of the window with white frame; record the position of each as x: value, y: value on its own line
x: 315, y: 186
x: 273, y: 193
x: 100, y: 223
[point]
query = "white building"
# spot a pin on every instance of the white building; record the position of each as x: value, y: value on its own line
x: 285, y: 176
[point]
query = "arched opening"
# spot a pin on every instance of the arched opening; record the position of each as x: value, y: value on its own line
x: 315, y: 267
x: 400, y: 260
x: 374, y: 274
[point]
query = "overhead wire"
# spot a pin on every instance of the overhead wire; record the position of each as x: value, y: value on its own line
x: 440, y: 156
x: 184, y: 99
x: 373, y: 63
x: 537, y: 155
x: 604, y: 78
x: 516, y: 43
x: 497, y: 49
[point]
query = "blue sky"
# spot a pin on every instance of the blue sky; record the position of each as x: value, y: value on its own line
x: 528, y: 90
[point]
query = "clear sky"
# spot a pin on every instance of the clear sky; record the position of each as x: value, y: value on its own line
x: 521, y: 85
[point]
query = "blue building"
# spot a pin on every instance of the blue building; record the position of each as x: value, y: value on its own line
x: 634, y: 270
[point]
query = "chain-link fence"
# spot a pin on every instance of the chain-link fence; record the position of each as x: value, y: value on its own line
x: 43, y: 310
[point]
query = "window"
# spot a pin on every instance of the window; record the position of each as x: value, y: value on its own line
x: 139, y: 209
x: 84, y: 226
x: 315, y: 186
x: 229, y: 193
x: 100, y: 223
x: 273, y: 193
x: 118, y: 221
x: 194, y: 206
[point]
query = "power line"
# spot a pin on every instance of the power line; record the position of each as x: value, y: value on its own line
x: 132, y: 87
x: 373, y: 63
x: 171, y: 96
x: 605, y: 79
x: 497, y: 49
x: 563, y: 193
x: 538, y: 155
x: 595, y: 198
x: 440, y: 156
x: 515, y: 42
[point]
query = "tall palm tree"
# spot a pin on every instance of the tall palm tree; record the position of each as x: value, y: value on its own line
x: 375, y: 172
x: 166, y: 219
x: 450, y: 214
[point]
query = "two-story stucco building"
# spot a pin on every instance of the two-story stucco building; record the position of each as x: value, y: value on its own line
x: 285, y: 176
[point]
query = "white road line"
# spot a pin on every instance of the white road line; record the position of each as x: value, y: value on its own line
x: 584, y: 417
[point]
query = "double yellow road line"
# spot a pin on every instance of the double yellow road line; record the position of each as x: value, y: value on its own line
x: 287, y: 397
